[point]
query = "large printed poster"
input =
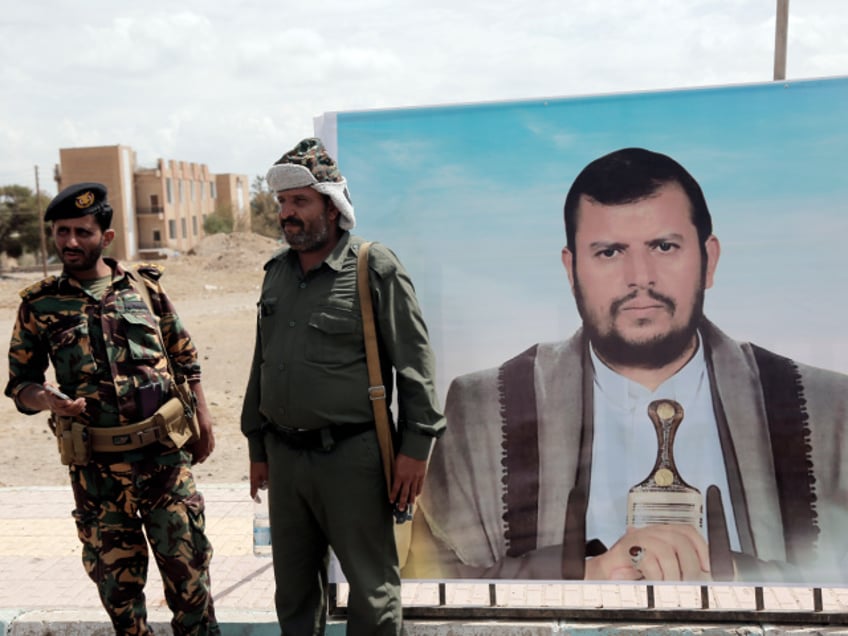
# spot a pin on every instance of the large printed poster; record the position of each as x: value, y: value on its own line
x: 661, y: 394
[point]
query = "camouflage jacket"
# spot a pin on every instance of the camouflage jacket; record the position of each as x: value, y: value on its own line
x: 101, y: 350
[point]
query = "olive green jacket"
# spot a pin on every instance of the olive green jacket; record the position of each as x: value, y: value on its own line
x: 309, y: 365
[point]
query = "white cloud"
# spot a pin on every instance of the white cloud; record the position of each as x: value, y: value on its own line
x: 234, y: 85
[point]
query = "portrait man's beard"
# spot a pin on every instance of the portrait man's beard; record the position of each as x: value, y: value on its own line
x: 653, y: 353
x: 309, y: 238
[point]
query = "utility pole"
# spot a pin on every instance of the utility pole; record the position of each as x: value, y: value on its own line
x: 41, y: 231
x: 781, y: 28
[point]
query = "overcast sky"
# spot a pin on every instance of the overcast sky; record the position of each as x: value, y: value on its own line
x: 233, y: 85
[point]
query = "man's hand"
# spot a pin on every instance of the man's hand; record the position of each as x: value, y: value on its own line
x: 49, y: 398
x: 258, y: 477
x: 202, y: 448
x: 407, y: 480
x: 654, y: 553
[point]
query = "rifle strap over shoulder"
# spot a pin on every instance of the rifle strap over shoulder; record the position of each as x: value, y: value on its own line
x: 141, y: 287
x: 376, y: 389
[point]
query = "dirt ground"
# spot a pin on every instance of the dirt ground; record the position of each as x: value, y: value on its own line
x: 215, y: 290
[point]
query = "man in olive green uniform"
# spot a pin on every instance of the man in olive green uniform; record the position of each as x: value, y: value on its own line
x: 129, y: 476
x: 307, y: 413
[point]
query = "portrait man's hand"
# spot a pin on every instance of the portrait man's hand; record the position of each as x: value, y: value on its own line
x: 654, y: 553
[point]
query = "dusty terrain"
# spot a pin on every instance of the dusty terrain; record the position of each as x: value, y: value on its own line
x: 215, y: 291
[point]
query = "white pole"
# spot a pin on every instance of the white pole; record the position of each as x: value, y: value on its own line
x: 41, y: 229
x: 781, y: 28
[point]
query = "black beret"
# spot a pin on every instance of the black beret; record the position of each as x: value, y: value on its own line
x: 76, y: 201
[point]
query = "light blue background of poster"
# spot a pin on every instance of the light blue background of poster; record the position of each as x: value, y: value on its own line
x: 470, y: 197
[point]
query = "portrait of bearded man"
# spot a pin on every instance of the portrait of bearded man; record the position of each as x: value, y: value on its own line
x: 533, y: 477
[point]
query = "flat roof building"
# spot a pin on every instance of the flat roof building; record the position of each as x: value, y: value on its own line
x: 156, y: 210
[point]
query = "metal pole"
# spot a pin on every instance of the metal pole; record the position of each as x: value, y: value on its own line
x: 781, y: 28
x: 40, y: 223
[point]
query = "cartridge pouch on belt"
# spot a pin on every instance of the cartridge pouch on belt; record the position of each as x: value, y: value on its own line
x: 77, y: 441
x: 73, y: 439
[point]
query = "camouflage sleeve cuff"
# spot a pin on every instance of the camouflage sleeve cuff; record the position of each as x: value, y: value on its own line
x: 191, y: 372
x: 15, y: 394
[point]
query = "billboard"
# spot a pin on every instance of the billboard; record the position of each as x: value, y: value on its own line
x: 569, y: 455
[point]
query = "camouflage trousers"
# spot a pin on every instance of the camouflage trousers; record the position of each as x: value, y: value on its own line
x: 116, y: 506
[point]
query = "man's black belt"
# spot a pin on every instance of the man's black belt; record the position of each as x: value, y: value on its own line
x: 317, y: 439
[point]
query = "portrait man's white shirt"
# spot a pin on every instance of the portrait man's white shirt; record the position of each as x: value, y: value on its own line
x: 625, y: 443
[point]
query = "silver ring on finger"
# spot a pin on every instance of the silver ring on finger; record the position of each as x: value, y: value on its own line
x: 637, y: 553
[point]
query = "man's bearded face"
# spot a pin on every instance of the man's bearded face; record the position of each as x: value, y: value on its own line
x: 639, y: 278
x: 304, y: 218
x: 651, y: 351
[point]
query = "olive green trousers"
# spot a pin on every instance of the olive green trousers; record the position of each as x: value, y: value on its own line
x: 332, y: 498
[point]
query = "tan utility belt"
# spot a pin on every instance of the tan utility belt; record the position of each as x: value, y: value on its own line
x: 77, y: 440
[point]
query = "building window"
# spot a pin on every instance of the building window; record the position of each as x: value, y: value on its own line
x: 172, y: 229
x: 184, y: 226
x: 212, y: 194
x: 191, y: 190
x: 169, y: 190
x: 180, y: 190
x: 194, y: 225
x: 157, y: 238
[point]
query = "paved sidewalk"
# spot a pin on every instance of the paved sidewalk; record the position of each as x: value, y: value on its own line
x: 43, y: 589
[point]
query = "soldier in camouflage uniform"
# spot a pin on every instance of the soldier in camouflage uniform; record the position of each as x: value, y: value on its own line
x: 112, y: 367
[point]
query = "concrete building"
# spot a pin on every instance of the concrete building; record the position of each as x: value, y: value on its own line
x: 234, y: 199
x: 156, y: 210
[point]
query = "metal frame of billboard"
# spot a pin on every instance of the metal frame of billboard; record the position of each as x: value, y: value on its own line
x: 812, y: 612
x: 649, y: 612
